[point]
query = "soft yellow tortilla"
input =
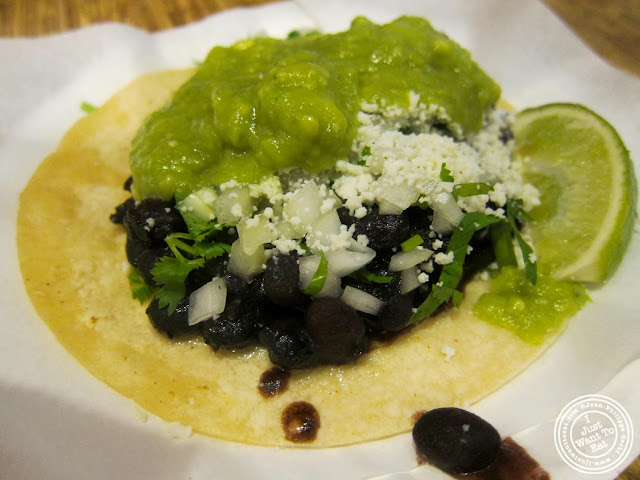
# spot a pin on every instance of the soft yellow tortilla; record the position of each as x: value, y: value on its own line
x: 75, y: 271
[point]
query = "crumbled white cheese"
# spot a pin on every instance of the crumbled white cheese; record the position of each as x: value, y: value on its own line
x: 448, y: 352
x: 443, y: 258
x: 236, y: 209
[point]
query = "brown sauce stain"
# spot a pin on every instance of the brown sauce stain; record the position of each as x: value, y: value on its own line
x: 513, y: 463
x: 416, y: 416
x: 273, y: 382
x: 300, y: 422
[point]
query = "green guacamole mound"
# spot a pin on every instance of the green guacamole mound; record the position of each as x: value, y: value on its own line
x: 530, y: 311
x: 266, y: 104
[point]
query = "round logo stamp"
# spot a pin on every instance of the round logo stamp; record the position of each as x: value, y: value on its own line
x: 593, y: 434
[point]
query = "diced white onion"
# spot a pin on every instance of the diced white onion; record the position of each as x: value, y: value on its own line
x: 199, y: 204
x: 441, y: 225
x: 208, y: 301
x: 232, y: 204
x: 308, y: 267
x: 303, y: 207
x: 355, y: 246
x: 344, y: 262
x: 332, y: 286
x: 362, y: 301
x: 254, y: 232
x: 401, y: 195
x: 388, y: 208
x: 447, y: 213
x: 409, y: 280
x: 403, y: 260
x: 323, y: 229
x: 243, y: 265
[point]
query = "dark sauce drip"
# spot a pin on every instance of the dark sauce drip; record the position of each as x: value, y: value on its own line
x: 300, y: 422
x: 273, y: 382
x: 513, y: 463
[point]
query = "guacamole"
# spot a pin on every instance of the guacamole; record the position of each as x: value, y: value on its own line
x: 266, y: 104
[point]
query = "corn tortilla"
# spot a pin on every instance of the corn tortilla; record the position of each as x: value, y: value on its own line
x: 75, y: 270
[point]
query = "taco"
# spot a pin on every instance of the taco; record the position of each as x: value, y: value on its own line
x: 76, y: 271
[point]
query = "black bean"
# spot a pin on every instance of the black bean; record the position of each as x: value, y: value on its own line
x: 396, y: 313
x: 506, y: 134
x: 235, y: 285
x: 345, y: 217
x: 171, y: 325
x: 383, y: 231
x: 382, y: 291
x: 290, y: 348
x: 147, y: 260
x: 118, y: 216
x: 456, y: 441
x: 282, y: 281
x: 134, y: 248
x: 152, y: 220
x: 236, y: 327
x: 214, y: 267
x: 336, y: 329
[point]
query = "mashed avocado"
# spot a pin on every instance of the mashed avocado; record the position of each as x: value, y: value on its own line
x: 265, y: 104
x: 530, y: 311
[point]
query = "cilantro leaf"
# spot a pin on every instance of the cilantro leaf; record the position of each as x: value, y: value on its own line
x: 515, y: 211
x: 210, y: 250
x: 171, y: 274
x: 411, y: 243
x: 445, y: 173
x: 317, y: 282
x: 502, y: 241
x: 471, y: 189
x: 364, y: 275
x: 451, y: 273
x: 139, y: 289
x: 86, y: 107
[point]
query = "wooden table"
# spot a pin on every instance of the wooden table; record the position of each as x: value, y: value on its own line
x: 611, y: 28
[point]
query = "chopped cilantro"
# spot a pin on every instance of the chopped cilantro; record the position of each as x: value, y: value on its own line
x: 471, y: 189
x: 366, y: 151
x: 366, y: 276
x: 445, y: 289
x: 411, y: 243
x: 139, y: 289
x: 317, y: 282
x: 516, y: 212
x: 87, y: 107
x: 502, y: 241
x: 445, y: 173
x: 170, y: 273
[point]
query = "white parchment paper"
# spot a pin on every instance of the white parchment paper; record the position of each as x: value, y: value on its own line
x: 58, y: 422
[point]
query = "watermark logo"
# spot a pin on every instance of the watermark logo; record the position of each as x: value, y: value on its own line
x: 593, y: 434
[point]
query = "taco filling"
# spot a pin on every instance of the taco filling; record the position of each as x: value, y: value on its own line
x: 296, y: 202
x: 312, y: 193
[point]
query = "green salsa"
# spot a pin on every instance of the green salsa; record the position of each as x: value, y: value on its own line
x: 530, y: 311
x: 266, y: 104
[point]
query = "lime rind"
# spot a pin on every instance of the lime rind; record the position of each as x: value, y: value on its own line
x: 546, y: 137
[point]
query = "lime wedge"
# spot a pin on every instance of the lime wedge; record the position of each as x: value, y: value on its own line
x: 587, y: 187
